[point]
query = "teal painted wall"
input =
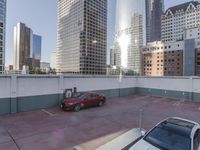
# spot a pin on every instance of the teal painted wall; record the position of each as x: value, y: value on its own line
x: 196, y: 97
x: 30, y: 103
x: 164, y: 93
x: 127, y: 91
x: 5, y: 105
x: 37, y: 102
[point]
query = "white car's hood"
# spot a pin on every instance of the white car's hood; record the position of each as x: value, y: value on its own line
x: 143, y: 145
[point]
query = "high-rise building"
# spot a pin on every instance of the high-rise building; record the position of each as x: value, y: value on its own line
x: 180, y: 58
x: 82, y: 36
x: 45, y: 66
x: 2, y: 34
x: 27, y: 47
x: 134, y: 50
x: 22, y: 46
x: 163, y: 59
x: 129, y: 35
x: 53, y: 59
x: 148, y: 19
x: 154, y: 11
x: 112, y: 57
x: 36, y: 50
x: 178, y: 18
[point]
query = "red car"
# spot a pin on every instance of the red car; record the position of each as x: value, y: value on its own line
x: 83, y: 100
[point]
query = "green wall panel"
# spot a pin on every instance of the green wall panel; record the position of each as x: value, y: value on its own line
x: 127, y: 91
x: 196, y: 97
x: 13, y: 104
x: 5, y: 105
x: 164, y: 93
x: 29, y: 103
x: 37, y: 102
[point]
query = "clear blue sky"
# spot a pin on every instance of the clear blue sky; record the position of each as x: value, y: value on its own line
x: 40, y: 15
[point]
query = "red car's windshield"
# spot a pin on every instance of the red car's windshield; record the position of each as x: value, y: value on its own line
x: 79, y: 95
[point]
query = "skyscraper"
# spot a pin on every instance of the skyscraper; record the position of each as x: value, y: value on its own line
x: 53, y: 59
x: 148, y: 19
x: 112, y: 57
x: 177, y: 19
x: 2, y: 34
x: 130, y: 33
x: 36, y: 50
x: 22, y: 45
x: 134, y: 50
x: 27, y: 47
x: 154, y: 11
x: 82, y: 36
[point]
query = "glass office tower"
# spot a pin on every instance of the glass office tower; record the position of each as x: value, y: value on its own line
x: 81, y: 36
x: 36, y: 50
x: 27, y: 47
x: 154, y: 11
x: 2, y: 34
x: 22, y: 46
x: 130, y: 33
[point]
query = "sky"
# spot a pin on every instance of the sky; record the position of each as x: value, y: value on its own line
x: 41, y: 16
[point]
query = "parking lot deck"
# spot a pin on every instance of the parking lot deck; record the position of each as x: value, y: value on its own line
x: 54, y: 129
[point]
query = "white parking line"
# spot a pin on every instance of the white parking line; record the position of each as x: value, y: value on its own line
x: 142, y: 97
x: 178, y: 103
x: 77, y: 148
x: 49, y: 113
x: 156, y: 101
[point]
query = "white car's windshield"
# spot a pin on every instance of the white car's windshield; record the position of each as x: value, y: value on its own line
x: 166, y: 139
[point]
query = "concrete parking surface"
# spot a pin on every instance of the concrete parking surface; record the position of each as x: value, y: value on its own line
x: 53, y: 129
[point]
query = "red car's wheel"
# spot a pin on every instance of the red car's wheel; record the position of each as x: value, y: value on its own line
x: 101, y: 103
x: 77, y: 108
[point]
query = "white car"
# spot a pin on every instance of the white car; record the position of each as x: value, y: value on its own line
x: 171, y: 134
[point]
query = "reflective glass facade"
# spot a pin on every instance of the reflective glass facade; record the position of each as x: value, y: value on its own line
x: 125, y: 11
x: 37, y: 45
x: 130, y: 33
x: 81, y: 36
x: 27, y: 47
x: 2, y: 34
x: 155, y: 9
x: 22, y: 46
x: 36, y: 50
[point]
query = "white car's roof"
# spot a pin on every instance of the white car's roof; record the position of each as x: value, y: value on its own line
x: 186, y: 126
x: 181, y: 119
x: 184, y: 123
x: 143, y: 145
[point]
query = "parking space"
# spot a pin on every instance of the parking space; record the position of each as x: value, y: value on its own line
x: 53, y: 129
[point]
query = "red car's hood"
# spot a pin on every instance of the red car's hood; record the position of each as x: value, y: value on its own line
x: 71, y: 100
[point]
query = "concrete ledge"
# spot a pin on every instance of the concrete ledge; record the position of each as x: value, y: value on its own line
x: 122, y: 141
x: 77, y: 148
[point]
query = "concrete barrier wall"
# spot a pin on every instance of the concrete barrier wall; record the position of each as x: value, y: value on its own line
x: 187, y: 88
x: 25, y: 93
x: 5, y: 94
